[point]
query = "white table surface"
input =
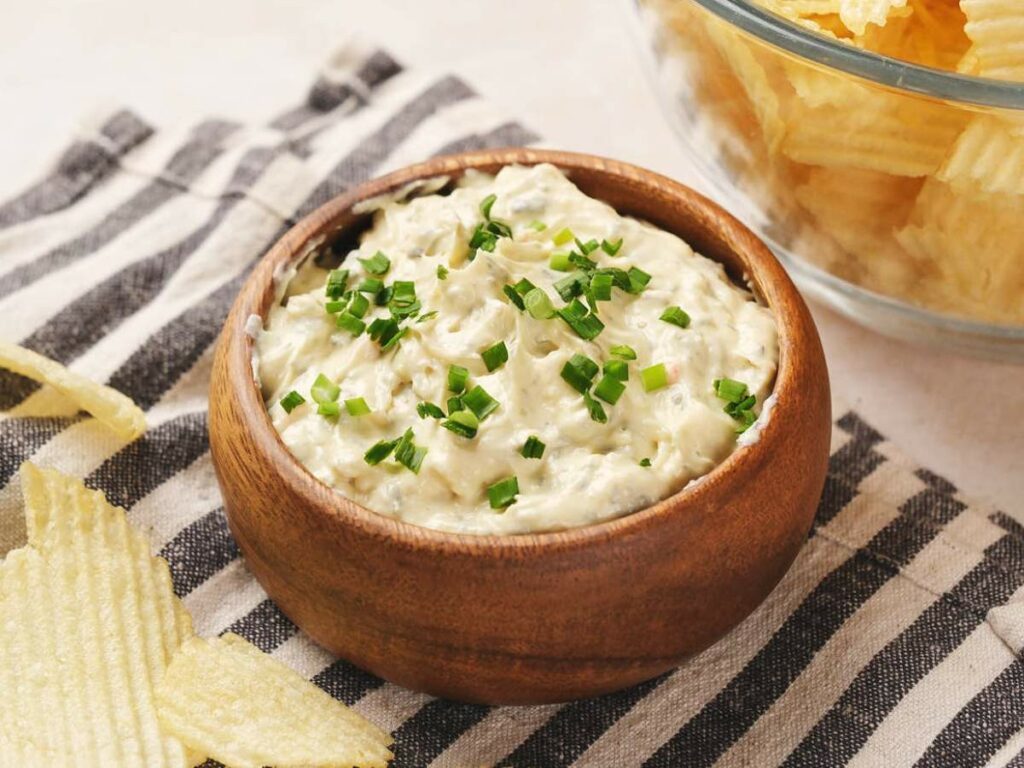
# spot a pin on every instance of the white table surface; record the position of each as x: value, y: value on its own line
x: 570, y: 69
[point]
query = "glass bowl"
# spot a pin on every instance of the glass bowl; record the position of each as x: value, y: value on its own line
x: 893, y: 192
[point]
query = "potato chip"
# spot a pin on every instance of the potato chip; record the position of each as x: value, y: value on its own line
x: 857, y: 14
x: 932, y: 35
x: 997, y: 29
x: 108, y: 405
x: 88, y: 623
x: 227, y: 699
x: 988, y: 157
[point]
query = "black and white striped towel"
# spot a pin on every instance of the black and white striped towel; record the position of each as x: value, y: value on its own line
x: 895, y: 639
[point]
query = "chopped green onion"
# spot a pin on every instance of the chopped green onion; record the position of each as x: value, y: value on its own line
x: 601, y: 285
x: 746, y: 419
x: 426, y: 409
x: 571, y: 286
x: 378, y: 264
x: 462, y: 423
x: 408, y: 454
x: 609, y: 389
x: 587, y: 326
x: 404, y: 293
x: 617, y: 369
x: 349, y: 322
x: 730, y: 390
x: 486, y: 204
x: 539, y: 305
x: 585, y: 365
x: 533, y: 448
x: 596, y: 409
x: 480, y: 402
x: 427, y: 316
x: 562, y: 237
x: 588, y: 247
x: 454, y: 404
x: 357, y: 406
x: 675, y: 316
x: 624, y: 351
x: 370, y: 285
x: 560, y: 261
x: 578, y: 372
x: 358, y: 305
x: 291, y: 401
x: 394, y: 340
x: 611, y: 248
x: 383, y: 296
x: 645, y: 462
x: 503, y: 493
x: 457, y: 378
x: 495, y: 356
x: 538, y: 226
x: 442, y: 272
x: 619, y: 276
x: 328, y: 409
x: 638, y: 280
x: 654, y: 377
x: 581, y: 261
x: 334, y: 307
x: 402, y: 311
x: 379, y: 451
x: 499, y: 228
x: 482, y: 239
x: 513, y: 296
x: 337, y: 279
x: 385, y: 331
x: 524, y: 286
x: 324, y: 390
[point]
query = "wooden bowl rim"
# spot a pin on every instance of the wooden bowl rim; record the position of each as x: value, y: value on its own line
x: 764, y: 274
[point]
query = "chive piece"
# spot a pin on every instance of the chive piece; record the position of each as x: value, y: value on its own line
x: 358, y: 305
x: 638, y: 280
x: 400, y: 311
x: 371, y: 285
x: 334, y: 307
x: 675, y: 316
x: 337, y: 279
x: 349, y: 322
x: 442, y: 272
x: 379, y: 451
x: 426, y: 316
x: 645, y: 462
x: 383, y: 296
x: 513, y: 296
x: 562, y: 237
x: 601, y: 285
x: 595, y: 408
x: 503, y: 493
x: 539, y: 305
x: 378, y: 264
x: 394, y: 340
x: 537, y: 226
x: 571, y: 286
x: 403, y: 293
x: 408, y: 454
x: 457, y: 378
x: 560, y: 261
x: 619, y: 277
x: 586, y: 265
x: 617, y: 369
x: 324, y: 390
x: 454, y: 404
x: 611, y: 248
x: 291, y: 401
x: 482, y: 239
x: 609, y: 389
x: 486, y: 204
x: 624, y: 351
x: 588, y: 247
x: 533, y: 448
x: 386, y: 332
x: 578, y: 373
x: 524, y: 286
x: 585, y: 365
x: 357, y: 406
x: 654, y: 377
x: 730, y: 390
x: 328, y: 409
x: 587, y: 326
x: 480, y: 402
x: 426, y: 409
x: 745, y: 419
x: 462, y: 423
x: 495, y: 356
x: 499, y: 229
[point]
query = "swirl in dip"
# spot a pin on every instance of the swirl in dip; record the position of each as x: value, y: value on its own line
x: 513, y: 357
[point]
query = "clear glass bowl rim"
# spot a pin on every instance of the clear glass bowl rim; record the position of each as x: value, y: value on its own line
x: 892, y: 73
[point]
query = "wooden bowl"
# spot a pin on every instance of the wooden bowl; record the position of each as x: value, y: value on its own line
x: 541, y: 617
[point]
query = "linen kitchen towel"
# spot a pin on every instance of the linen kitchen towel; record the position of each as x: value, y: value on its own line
x: 894, y: 640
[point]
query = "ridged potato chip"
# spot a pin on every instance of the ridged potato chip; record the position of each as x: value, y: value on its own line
x: 226, y: 698
x: 88, y: 624
x: 988, y: 157
x: 997, y: 29
x: 857, y: 14
x: 108, y: 405
x: 931, y: 35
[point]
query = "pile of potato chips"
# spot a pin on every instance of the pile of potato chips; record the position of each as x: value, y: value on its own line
x: 908, y: 196
x: 99, y: 666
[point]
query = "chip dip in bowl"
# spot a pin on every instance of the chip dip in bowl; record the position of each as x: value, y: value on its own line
x: 491, y: 428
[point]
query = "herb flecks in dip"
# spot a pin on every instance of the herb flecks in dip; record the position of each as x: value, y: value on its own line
x: 514, y: 357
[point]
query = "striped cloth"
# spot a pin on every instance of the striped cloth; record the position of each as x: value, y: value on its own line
x: 894, y: 640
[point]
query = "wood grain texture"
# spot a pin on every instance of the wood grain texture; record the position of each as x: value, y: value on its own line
x: 542, y: 617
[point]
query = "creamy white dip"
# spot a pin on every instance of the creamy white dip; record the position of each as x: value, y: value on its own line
x: 590, y: 471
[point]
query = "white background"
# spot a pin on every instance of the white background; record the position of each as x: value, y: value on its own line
x: 570, y: 69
